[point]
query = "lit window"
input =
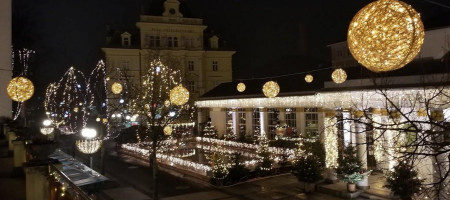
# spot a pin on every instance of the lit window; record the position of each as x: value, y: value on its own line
x: 215, y: 66
x: 291, y: 121
x: 242, y: 124
x: 311, y: 122
x: 191, y: 65
x: 256, y: 124
x: 272, y: 114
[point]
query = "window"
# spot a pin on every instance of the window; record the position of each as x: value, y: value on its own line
x: 242, y: 124
x: 291, y: 121
x: 154, y: 41
x: 172, y: 41
x: 126, y: 41
x: 311, y: 122
x: 272, y: 114
x: 175, y: 42
x: 125, y: 64
x: 190, y: 86
x: 215, y: 66
x: 256, y: 124
x: 191, y: 65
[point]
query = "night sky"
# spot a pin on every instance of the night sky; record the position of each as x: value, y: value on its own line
x: 288, y: 34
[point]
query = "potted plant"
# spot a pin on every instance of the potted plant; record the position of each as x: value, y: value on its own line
x: 403, y: 181
x: 349, y: 169
x: 308, y: 169
x: 219, y: 170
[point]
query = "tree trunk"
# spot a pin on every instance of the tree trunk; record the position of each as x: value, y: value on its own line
x: 155, y: 170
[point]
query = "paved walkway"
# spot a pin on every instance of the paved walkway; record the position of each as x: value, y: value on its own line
x: 12, y: 187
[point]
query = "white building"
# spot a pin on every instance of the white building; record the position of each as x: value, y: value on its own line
x: 179, y: 41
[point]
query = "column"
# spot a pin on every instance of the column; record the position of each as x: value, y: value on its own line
x: 11, y: 136
x: 263, y: 120
x: 200, y: 120
x: 361, y: 150
x: 347, y: 128
x: 300, y: 119
x: 249, y: 122
x: 19, y: 153
x: 330, y: 141
x: 5, y: 56
x: 235, y: 119
x: 440, y: 163
x: 218, y: 120
x: 37, y: 185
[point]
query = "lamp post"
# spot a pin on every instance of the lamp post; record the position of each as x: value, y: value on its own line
x: 89, y: 145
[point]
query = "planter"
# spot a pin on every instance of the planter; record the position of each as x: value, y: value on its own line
x: 351, y: 187
x: 41, y: 150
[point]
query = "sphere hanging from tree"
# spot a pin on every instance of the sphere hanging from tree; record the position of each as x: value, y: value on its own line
x: 385, y: 35
x: 271, y: 89
x: 167, y: 130
x: 116, y: 88
x: 179, y: 95
x: 20, y: 89
x: 339, y: 76
x: 240, y: 87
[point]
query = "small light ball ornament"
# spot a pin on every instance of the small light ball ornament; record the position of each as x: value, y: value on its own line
x: 88, y: 146
x: 240, y: 87
x: 339, y: 76
x: 179, y: 95
x: 116, y: 88
x: 20, y: 89
x: 309, y: 78
x: 271, y: 89
x: 385, y: 35
x: 167, y: 130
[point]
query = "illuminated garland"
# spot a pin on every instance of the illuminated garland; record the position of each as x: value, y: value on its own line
x: 330, y: 142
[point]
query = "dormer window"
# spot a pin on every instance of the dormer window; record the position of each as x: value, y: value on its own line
x: 126, y: 39
x: 214, y: 42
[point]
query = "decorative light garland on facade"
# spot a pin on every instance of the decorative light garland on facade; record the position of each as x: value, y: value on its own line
x: 332, y: 100
x: 331, y: 142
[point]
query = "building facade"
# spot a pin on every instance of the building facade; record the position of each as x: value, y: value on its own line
x: 5, y: 57
x: 179, y: 42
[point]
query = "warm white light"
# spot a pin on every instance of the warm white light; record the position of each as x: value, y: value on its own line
x: 47, y: 130
x: 47, y: 122
x: 240, y: 87
x: 128, y: 117
x: 88, y: 132
x: 172, y: 113
x: 167, y: 130
x: 121, y: 101
x: 97, y: 119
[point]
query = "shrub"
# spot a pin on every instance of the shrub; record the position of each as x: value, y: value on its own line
x: 307, y: 169
x: 403, y: 181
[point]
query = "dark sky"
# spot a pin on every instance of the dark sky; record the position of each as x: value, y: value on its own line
x: 288, y: 34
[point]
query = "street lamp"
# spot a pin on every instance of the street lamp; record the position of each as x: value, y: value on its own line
x: 47, y: 129
x: 90, y: 144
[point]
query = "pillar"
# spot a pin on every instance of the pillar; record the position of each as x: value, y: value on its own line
x: 19, y: 153
x: 249, y: 122
x: 11, y: 137
x: 300, y: 120
x: 37, y: 185
x: 200, y: 119
x: 361, y: 151
x: 218, y: 120
x: 347, y: 128
x: 440, y: 162
x: 235, y: 119
x: 5, y: 56
x: 263, y: 120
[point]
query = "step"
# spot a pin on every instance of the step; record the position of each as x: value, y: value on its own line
x: 370, y: 196
x: 338, y: 190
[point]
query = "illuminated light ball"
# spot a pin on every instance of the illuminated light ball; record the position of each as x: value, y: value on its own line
x: 128, y: 117
x: 339, y: 76
x: 107, y: 78
x: 105, y: 120
x: 20, y: 89
x: 271, y: 89
x: 97, y: 119
x: 116, y: 88
x: 47, y: 130
x: 179, y: 95
x: 75, y: 109
x: 88, y: 132
x: 309, y: 78
x: 89, y: 146
x: 385, y: 35
x: 167, y: 103
x: 167, y: 130
x: 240, y: 87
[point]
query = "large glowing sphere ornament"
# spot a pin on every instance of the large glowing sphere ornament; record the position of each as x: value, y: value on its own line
x: 116, y: 88
x: 20, y: 89
x: 240, y: 87
x: 385, y: 35
x: 179, y: 95
x: 339, y: 76
x: 88, y: 133
x: 89, y: 146
x: 271, y: 89
x: 309, y: 78
x: 167, y: 130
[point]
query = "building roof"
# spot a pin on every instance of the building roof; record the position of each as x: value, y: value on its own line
x: 358, y: 78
